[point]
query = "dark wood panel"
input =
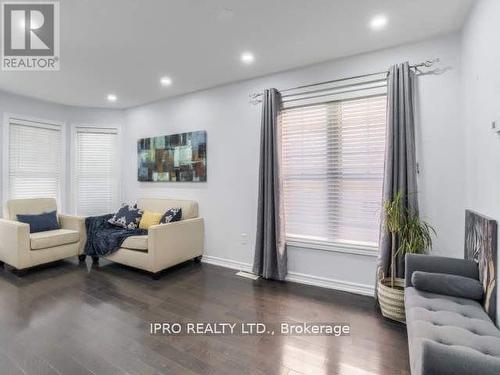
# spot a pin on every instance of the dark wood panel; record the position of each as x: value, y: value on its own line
x: 70, y: 318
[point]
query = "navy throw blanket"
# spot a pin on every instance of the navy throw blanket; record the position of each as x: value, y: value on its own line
x: 104, y: 238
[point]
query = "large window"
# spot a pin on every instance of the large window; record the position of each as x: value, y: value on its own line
x: 333, y: 161
x: 35, y: 163
x: 97, y: 173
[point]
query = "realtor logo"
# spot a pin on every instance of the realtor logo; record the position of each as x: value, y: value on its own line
x: 30, y: 35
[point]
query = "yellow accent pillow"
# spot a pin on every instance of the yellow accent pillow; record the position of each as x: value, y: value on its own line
x: 149, y: 218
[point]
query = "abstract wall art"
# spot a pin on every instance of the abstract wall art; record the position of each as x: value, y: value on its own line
x: 173, y: 158
x: 481, y: 246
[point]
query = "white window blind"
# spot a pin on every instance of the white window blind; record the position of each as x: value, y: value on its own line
x: 97, y: 171
x: 333, y: 161
x: 35, y: 160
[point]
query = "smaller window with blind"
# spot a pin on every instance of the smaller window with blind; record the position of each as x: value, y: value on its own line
x: 35, y: 162
x: 333, y: 163
x: 97, y: 173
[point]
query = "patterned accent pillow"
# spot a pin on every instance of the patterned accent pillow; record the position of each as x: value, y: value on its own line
x: 127, y: 217
x: 173, y: 214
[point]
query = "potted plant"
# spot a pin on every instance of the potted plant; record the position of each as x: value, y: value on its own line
x: 415, y: 236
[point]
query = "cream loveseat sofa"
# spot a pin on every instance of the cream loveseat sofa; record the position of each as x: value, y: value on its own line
x: 21, y: 250
x: 165, y: 245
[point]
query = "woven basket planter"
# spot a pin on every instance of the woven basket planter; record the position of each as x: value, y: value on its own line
x: 392, y: 300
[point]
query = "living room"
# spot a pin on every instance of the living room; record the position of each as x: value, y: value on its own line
x: 233, y: 187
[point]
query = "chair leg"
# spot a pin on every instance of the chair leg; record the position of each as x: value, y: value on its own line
x: 95, y: 260
x: 82, y: 257
x: 197, y: 259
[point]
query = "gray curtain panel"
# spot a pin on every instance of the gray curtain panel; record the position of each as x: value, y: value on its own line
x: 270, y: 259
x: 400, y: 159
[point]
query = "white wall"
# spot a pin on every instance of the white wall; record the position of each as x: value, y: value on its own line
x: 228, y: 199
x: 23, y: 106
x: 481, y: 100
x: 454, y: 113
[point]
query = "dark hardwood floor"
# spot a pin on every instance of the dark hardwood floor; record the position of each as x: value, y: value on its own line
x: 70, y: 318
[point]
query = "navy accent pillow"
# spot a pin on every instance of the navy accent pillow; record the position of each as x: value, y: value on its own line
x: 173, y: 214
x: 127, y: 217
x: 41, y: 222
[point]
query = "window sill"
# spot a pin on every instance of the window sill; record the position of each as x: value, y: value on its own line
x: 369, y: 251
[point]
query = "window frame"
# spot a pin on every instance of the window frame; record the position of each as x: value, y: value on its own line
x: 73, y: 160
x: 349, y: 247
x: 7, y: 117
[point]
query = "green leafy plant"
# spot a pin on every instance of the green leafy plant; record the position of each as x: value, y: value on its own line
x: 415, y: 236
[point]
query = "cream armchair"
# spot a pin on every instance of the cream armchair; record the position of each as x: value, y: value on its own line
x: 165, y: 245
x: 21, y: 250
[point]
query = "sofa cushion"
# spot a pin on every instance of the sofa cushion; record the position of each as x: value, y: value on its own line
x: 442, y: 359
x: 127, y: 217
x: 458, y: 326
x: 31, y: 206
x: 450, y: 285
x: 136, y: 243
x: 53, y: 238
x: 189, y: 208
x: 432, y: 263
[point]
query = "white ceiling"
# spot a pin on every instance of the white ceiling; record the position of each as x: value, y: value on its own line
x: 125, y: 46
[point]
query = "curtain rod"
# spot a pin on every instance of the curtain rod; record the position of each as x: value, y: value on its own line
x: 426, y: 64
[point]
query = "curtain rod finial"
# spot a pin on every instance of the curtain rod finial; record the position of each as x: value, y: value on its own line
x: 429, y: 63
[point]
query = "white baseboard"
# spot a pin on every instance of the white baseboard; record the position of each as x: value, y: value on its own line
x: 323, y: 282
x: 227, y: 263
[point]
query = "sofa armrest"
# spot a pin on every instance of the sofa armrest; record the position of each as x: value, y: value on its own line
x: 15, y: 243
x: 176, y: 242
x: 75, y: 223
x: 436, y: 264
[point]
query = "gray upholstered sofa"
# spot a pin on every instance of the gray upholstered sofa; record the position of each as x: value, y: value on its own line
x: 448, y: 334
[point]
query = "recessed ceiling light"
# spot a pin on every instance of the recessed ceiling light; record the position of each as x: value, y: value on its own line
x: 378, y: 22
x: 247, y: 58
x: 225, y: 14
x: 112, y: 98
x: 166, y: 81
